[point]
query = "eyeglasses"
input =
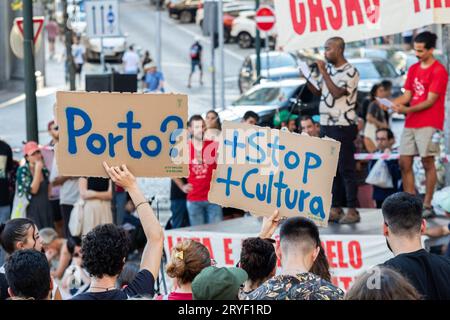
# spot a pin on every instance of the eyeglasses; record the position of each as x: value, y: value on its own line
x: 380, y: 139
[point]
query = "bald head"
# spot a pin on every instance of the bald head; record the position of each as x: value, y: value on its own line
x: 334, y: 49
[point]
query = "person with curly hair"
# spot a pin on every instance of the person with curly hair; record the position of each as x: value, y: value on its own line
x: 105, y: 248
x: 259, y: 260
x: 188, y: 259
x: 28, y: 275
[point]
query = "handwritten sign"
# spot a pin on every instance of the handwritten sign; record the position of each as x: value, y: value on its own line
x: 143, y: 131
x: 262, y: 169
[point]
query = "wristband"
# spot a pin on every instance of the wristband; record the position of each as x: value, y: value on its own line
x: 140, y: 204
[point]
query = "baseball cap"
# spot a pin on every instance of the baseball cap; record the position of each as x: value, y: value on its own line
x: 283, y: 116
x: 214, y: 283
x: 30, y: 147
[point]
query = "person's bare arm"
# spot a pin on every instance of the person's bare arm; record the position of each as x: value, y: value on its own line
x: 64, y: 260
x: 58, y: 181
x: 336, y: 92
x: 91, y: 194
x: 371, y: 119
x: 270, y: 224
x: 313, y: 89
x: 151, y: 257
x: 185, y: 187
x: 405, y: 98
x: 431, y: 100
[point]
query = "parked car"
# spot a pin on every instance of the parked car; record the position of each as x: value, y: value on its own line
x: 113, y: 48
x: 374, y: 70
x: 230, y: 11
x: 184, y: 10
x: 268, y: 97
x: 244, y: 30
x: 274, y: 66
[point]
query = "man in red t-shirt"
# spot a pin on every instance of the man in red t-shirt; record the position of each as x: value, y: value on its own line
x: 201, y: 165
x: 425, y: 90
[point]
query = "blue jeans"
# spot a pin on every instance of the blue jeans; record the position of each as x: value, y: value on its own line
x: 203, y: 212
x: 121, y: 201
x: 5, y: 214
x: 180, y: 216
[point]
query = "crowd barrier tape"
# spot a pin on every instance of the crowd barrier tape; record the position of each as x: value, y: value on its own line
x: 388, y: 156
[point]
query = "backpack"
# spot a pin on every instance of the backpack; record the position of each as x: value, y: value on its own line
x: 195, y: 50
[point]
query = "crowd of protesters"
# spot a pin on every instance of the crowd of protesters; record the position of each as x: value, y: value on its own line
x: 68, y: 255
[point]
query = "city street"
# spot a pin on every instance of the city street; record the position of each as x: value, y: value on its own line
x: 137, y: 20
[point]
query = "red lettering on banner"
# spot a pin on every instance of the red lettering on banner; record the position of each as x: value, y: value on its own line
x: 207, y: 243
x: 335, y: 20
x: 437, y: 4
x: 434, y: 4
x: 228, y: 251
x: 354, y: 248
x: 416, y: 6
x: 169, y: 243
x: 352, y: 7
x: 330, y: 253
x: 342, y: 264
x: 316, y: 12
x: 277, y: 244
x: 372, y: 10
x: 346, y: 282
x: 298, y: 16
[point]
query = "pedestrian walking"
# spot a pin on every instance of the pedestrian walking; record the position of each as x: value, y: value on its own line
x: 79, y: 57
x: 52, y: 32
x: 131, y: 61
x: 196, y: 60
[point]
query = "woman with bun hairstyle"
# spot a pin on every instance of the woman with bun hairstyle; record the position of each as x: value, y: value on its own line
x: 188, y: 258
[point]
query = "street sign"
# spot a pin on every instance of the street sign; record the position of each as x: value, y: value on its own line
x: 102, y: 18
x: 265, y: 18
x: 16, y: 35
x: 38, y: 23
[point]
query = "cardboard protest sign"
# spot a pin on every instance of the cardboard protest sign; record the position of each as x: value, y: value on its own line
x: 262, y: 169
x: 143, y: 131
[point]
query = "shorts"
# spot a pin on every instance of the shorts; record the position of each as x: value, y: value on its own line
x: 195, y: 63
x: 78, y: 68
x: 419, y: 142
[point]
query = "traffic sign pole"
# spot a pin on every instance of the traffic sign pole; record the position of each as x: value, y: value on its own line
x: 258, y: 48
x: 30, y: 79
x: 265, y: 21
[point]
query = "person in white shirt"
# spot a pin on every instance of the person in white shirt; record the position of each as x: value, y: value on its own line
x: 78, y: 54
x: 131, y: 61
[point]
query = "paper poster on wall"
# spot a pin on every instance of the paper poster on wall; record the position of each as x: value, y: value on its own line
x: 262, y: 169
x: 144, y: 131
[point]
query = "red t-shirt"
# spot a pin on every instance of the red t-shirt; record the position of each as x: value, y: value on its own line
x: 420, y: 82
x: 176, y: 296
x: 200, y: 173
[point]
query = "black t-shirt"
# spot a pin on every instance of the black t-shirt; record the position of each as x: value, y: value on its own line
x: 175, y: 192
x: 3, y: 287
x: 98, y: 184
x: 429, y: 273
x: 6, y: 165
x: 143, y: 284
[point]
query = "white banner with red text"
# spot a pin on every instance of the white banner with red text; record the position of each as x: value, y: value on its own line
x: 309, y: 23
x: 348, y: 255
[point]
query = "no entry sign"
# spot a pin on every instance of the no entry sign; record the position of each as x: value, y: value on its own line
x: 265, y: 18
